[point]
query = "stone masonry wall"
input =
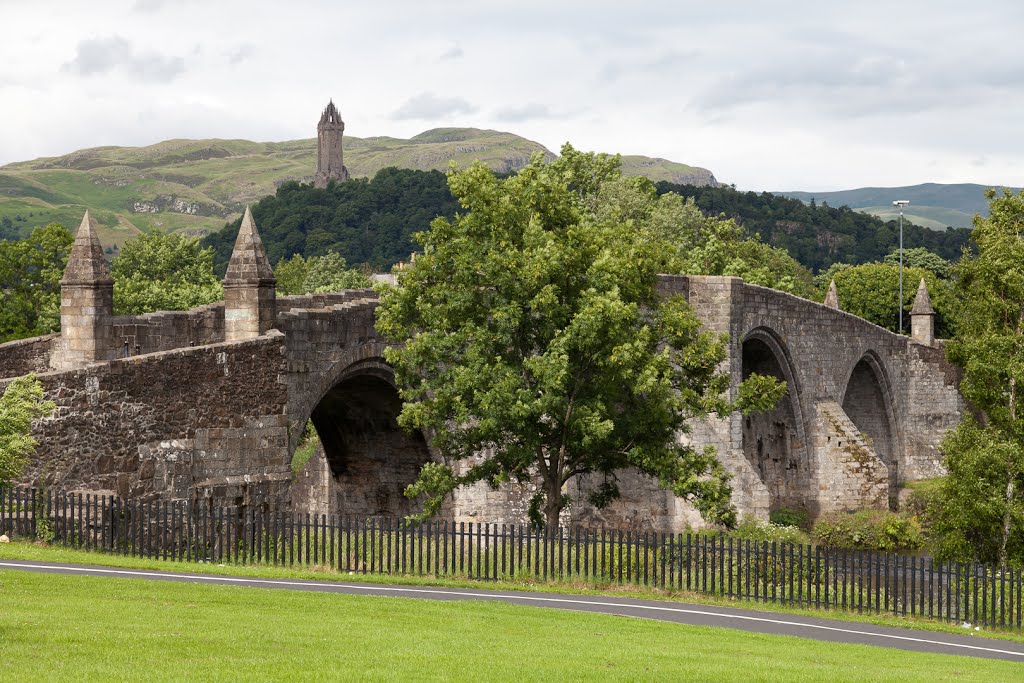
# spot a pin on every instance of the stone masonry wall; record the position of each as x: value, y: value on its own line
x: 23, y: 356
x: 167, y: 330
x: 935, y: 408
x: 176, y: 424
x: 851, y: 476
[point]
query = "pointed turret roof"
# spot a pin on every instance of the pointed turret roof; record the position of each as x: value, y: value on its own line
x: 249, y: 262
x: 922, y: 302
x: 86, y: 263
x: 330, y: 113
x: 832, y: 298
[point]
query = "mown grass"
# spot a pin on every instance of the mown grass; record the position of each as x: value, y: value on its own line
x: 22, y: 550
x: 83, y: 628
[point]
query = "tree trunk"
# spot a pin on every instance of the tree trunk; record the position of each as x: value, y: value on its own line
x: 552, y: 504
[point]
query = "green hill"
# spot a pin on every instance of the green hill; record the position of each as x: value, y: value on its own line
x: 934, y: 205
x: 195, y: 186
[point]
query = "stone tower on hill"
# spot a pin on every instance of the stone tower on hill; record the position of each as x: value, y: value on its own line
x: 329, y: 158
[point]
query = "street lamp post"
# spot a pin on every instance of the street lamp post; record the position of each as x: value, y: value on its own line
x: 901, y: 203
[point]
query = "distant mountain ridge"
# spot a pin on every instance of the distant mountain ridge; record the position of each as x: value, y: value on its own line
x: 933, y: 205
x: 198, y: 185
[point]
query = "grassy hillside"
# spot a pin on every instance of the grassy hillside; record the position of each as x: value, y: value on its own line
x: 934, y: 205
x: 934, y: 217
x: 197, y: 185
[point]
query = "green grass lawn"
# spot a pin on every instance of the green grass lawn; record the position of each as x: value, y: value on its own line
x: 24, y: 550
x: 83, y: 628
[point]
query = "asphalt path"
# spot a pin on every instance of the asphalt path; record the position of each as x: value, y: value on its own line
x: 828, y: 630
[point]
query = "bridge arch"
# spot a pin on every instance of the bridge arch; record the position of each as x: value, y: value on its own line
x: 868, y: 401
x: 774, y: 442
x: 369, y: 459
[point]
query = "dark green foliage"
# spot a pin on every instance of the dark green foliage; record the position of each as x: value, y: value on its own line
x: 982, y: 514
x: 159, y: 272
x: 871, y: 291
x: 327, y: 273
x: 30, y: 272
x: 791, y: 517
x: 870, y: 530
x: 530, y: 330
x: 8, y: 231
x: 20, y: 403
x: 818, y: 236
x: 920, y: 257
x: 365, y: 221
x: 924, y: 500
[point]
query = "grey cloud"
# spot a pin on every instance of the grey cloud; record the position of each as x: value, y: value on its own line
x: 427, y: 105
x: 102, y: 55
x: 240, y: 54
x: 526, y: 112
x: 454, y: 52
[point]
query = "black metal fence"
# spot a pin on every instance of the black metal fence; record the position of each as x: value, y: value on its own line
x: 713, y: 564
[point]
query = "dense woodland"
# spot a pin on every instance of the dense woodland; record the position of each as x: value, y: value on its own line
x: 819, y: 235
x: 372, y: 222
x: 365, y: 221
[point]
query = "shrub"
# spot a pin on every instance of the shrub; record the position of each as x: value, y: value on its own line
x: 923, y: 500
x: 791, y: 517
x: 870, y: 530
x: 755, y: 530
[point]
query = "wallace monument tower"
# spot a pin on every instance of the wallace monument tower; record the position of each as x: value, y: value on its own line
x: 329, y: 164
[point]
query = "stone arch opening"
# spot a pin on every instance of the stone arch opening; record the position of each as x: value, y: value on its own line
x: 368, y: 460
x: 868, y: 404
x: 773, y: 441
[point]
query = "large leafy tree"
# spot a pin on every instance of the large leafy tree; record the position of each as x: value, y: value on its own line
x: 982, y: 511
x: 702, y: 244
x: 160, y: 272
x: 21, y: 402
x: 530, y: 344
x: 30, y: 272
x: 872, y: 291
x: 327, y: 273
x: 919, y: 257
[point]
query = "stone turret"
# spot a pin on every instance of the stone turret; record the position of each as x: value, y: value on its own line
x: 832, y: 298
x: 329, y: 154
x: 86, y: 304
x: 922, y: 317
x: 250, y: 302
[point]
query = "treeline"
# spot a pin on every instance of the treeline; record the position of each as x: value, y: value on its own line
x: 366, y: 221
x: 818, y: 235
x: 371, y: 222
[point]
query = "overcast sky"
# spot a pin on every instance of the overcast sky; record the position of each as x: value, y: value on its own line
x: 767, y: 95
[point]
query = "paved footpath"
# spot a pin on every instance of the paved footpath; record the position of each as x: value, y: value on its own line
x: 829, y: 630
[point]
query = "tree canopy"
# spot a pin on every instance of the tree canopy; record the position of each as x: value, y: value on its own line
x: 716, y: 245
x: 327, y: 273
x: 30, y: 273
x: 818, y: 235
x: 871, y: 291
x: 21, y: 402
x: 529, y: 342
x: 982, y: 512
x: 365, y: 221
x: 919, y: 257
x: 161, y: 272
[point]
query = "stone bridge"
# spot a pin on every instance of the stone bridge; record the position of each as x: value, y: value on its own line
x: 211, y: 404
